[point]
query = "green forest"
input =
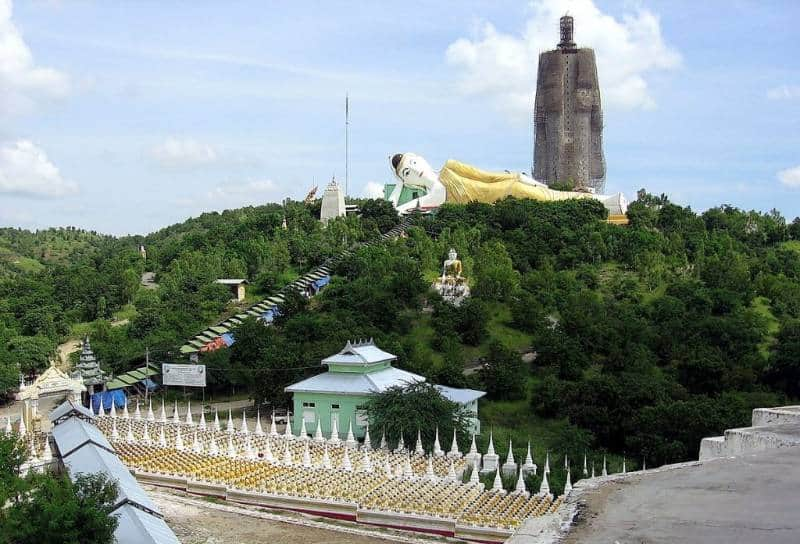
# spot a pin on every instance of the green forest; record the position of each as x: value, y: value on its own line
x: 631, y: 341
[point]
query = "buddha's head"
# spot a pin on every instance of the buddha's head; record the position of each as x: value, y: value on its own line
x: 413, y: 171
x: 452, y: 254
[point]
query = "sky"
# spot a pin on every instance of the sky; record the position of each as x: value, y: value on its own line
x: 125, y: 117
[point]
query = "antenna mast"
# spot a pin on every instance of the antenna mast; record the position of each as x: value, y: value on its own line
x: 346, y: 143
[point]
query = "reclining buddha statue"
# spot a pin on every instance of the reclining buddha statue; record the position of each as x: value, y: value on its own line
x: 418, y: 185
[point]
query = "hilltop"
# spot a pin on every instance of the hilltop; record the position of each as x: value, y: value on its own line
x: 646, y: 337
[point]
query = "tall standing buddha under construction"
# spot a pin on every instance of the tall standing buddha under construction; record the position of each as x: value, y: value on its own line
x: 568, y: 119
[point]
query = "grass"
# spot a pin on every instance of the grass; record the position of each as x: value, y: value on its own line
x: 761, y: 307
x: 792, y: 244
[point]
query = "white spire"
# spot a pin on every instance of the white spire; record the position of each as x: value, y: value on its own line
x: 101, y: 411
x: 366, y: 462
x: 113, y: 412
x: 137, y: 414
x: 418, y: 449
x: 213, y: 449
x: 306, y: 455
x: 326, y: 459
x: 287, y: 454
x: 367, y: 442
x: 566, y: 462
x: 197, y: 446
x: 520, y: 487
x: 129, y: 435
x: 568, y: 484
x: 230, y: 428
x: 273, y: 429
x: 303, y: 429
x: 347, y: 466
x: 644, y: 463
x: 202, y: 424
x: 529, y: 465
x: 217, y: 426
x: 544, y: 489
x: 163, y: 415
x: 547, y: 463
x: 189, y: 418
x: 259, y: 431
x: 408, y: 472
x: 245, y: 429
x: 451, y: 472
x: 334, y: 431
x: 605, y: 470
x: 454, y: 448
x: 387, y: 467
x: 150, y: 415
x: 114, y: 431
x: 287, y: 432
x: 47, y: 453
x: 231, y: 452
x: 318, y: 437
x: 473, y: 476
x: 350, y: 441
x: 437, y: 446
x: 497, y: 485
x: 624, y: 469
x: 401, y: 445
x: 249, y: 453
x: 593, y: 469
x: 473, y: 448
x: 178, y: 439
x: 383, y: 445
x: 490, y: 449
x: 146, y: 434
x: 585, y: 469
x: 125, y: 414
x: 176, y: 418
x: 162, y: 438
x: 510, y: 456
x: 268, y: 452
x: 21, y: 430
x: 429, y: 473
x: 8, y: 425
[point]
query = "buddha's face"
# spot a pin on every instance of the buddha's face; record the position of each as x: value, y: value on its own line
x: 414, y: 171
x: 452, y: 254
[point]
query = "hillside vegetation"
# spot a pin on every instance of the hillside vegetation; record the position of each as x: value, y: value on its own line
x: 647, y: 337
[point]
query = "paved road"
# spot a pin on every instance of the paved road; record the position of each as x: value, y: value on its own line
x: 750, y: 499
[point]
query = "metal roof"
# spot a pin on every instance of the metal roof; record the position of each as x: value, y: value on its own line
x: 460, y: 396
x: 91, y: 459
x: 138, y: 527
x: 359, y: 354
x: 116, y: 384
x: 231, y: 281
x: 68, y: 407
x: 74, y: 433
x: 349, y: 383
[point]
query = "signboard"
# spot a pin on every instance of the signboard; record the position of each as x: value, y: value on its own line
x: 186, y: 375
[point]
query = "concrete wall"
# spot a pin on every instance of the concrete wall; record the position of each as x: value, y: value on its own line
x: 771, y: 428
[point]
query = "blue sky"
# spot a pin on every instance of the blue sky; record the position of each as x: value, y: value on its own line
x: 128, y: 116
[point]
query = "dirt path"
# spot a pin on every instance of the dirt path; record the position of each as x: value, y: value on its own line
x: 64, y: 351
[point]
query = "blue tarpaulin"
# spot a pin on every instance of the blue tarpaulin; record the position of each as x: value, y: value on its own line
x: 228, y: 339
x: 116, y: 396
x: 320, y: 283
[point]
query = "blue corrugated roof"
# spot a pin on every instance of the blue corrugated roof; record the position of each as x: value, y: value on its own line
x: 74, y: 433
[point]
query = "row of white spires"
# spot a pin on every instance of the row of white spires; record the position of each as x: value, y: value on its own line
x: 487, y: 463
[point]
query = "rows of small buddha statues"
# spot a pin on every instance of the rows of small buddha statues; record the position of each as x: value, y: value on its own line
x: 262, y: 460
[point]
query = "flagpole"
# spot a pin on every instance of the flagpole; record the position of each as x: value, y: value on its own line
x: 346, y: 143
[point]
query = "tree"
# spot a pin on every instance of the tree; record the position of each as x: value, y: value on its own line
x: 50, y: 509
x: 504, y: 375
x: 495, y: 277
x: 380, y: 213
x: 784, y: 359
x: 30, y: 354
x: 416, y: 407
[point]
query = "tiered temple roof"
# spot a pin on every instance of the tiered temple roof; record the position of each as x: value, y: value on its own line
x: 88, y: 366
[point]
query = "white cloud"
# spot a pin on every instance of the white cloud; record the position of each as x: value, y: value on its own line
x: 234, y: 195
x: 373, y: 189
x: 790, y: 177
x: 784, y: 92
x: 184, y: 152
x: 25, y: 170
x: 503, y: 66
x: 22, y: 83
